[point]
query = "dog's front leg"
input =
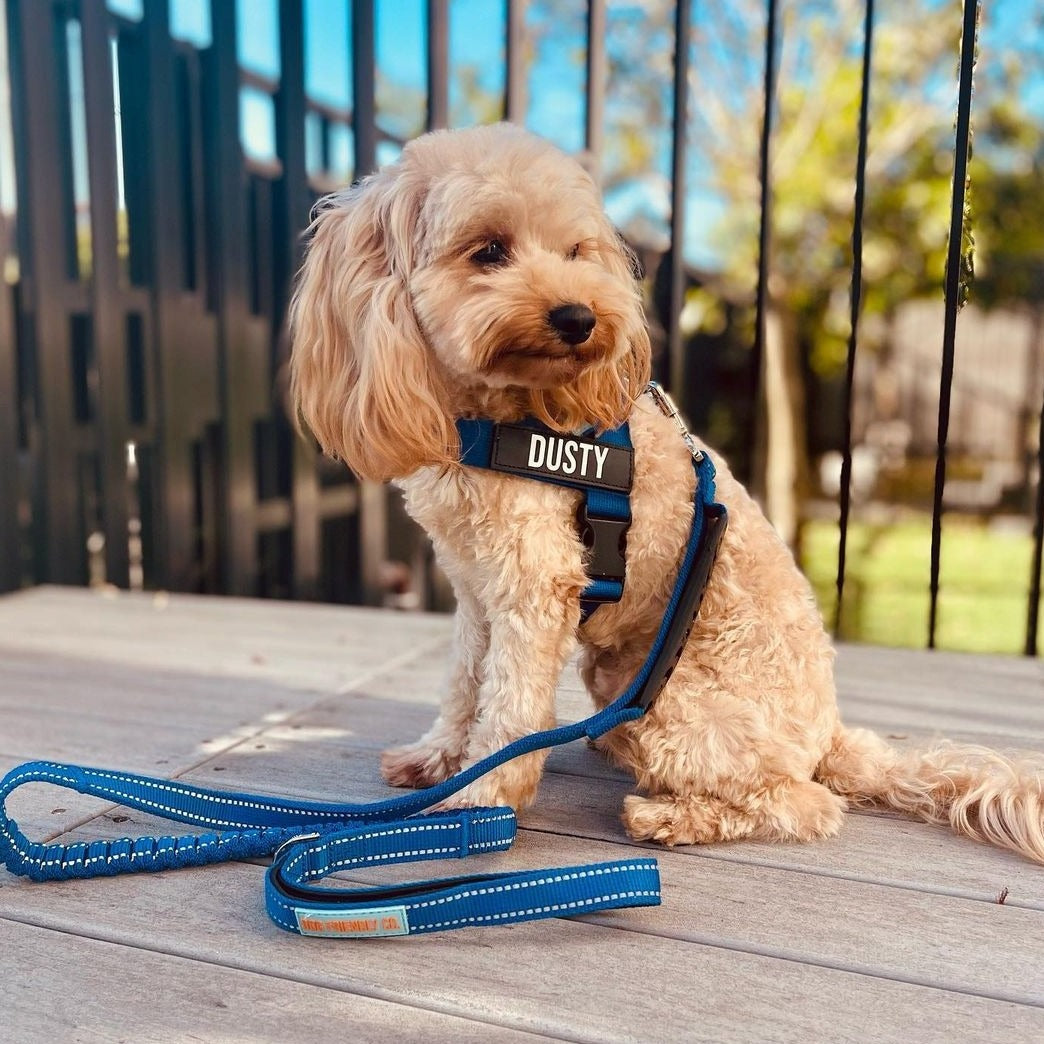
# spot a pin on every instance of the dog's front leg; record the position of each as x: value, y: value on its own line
x: 530, y: 641
x: 438, y: 753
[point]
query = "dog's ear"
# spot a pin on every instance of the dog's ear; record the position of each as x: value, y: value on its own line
x: 362, y: 376
x: 632, y: 370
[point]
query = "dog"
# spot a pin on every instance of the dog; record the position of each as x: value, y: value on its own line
x: 478, y: 276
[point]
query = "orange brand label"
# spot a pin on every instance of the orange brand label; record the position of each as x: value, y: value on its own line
x: 354, y: 924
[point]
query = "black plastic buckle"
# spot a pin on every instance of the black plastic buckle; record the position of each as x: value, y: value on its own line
x: 606, y: 543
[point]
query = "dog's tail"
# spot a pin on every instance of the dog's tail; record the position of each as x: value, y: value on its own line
x: 982, y: 794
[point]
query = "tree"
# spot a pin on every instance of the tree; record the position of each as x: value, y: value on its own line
x: 909, y: 173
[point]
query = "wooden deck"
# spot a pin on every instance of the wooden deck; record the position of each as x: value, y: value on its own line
x: 893, y: 931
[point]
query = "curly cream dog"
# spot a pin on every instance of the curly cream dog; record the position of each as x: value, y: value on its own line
x: 479, y: 276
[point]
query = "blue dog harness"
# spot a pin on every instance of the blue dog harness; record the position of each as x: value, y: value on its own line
x: 311, y: 840
x: 600, y: 468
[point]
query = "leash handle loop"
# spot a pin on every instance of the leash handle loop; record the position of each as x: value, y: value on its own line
x: 271, y: 824
x: 297, y: 905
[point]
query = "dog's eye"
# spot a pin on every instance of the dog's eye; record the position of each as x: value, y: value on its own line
x: 574, y: 253
x: 493, y: 253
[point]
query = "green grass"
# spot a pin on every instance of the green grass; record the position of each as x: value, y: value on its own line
x: 983, y: 583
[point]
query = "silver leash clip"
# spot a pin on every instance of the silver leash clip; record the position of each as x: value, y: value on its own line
x: 296, y: 840
x: 665, y: 404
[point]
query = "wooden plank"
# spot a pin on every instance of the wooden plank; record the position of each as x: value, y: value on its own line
x: 329, y: 753
x: 95, y: 991
x: 565, y: 977
x: 78, y: 710
x: 332, y: 750
x: 319, y: 646
x: 318, y: 759
x: 852, y: 938
x: 956, y: 677
x: 902, y: 689
x: 975, y: 947
x: 1012, y: 718
x: 70, y: 620
x: 968, y: 945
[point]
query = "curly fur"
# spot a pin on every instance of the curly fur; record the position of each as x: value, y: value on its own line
x: 399, y: 327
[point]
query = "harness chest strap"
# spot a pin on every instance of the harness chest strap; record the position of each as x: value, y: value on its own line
x: 313, y: 839
x: 601, y: 468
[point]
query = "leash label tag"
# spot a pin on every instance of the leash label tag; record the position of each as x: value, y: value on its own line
x: 571, y: 459
x: 355, y: 923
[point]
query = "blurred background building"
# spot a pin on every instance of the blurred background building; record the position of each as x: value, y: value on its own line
x: 158, y: 160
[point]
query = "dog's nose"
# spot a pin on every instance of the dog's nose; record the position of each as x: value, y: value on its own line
x: 572, y: 322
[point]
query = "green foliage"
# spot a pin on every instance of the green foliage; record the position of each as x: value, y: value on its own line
x: 1009, y: 207
x: 909, y: 171
x: 910, y: 161
x: 886, y: 584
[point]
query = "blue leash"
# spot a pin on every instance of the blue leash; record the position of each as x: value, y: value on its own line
x: 312, y: 839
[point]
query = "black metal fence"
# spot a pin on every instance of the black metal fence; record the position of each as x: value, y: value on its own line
x: 148, y: 261
x: 156, y: 324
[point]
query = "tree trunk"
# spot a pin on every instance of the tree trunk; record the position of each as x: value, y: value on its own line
x: 782, y: 473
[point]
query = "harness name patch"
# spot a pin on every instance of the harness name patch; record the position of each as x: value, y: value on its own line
x: 580, y: 460
x: 353, y: 924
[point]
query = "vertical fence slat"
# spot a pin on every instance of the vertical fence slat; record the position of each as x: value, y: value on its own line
x: 165, y: 489
x: 765, y: 225
x: 293, y: 195
x: 42, y: 164
x: 438, y: 65
x: 515, y: 74
x: 364, y: 87
x: 1033, y: 610
x: 597, y: 77
x: 183, y: 351
x: 10, y: 530
x: 372, y: 504
x: 679, y: 153
x: 108, y: 321
x: 243, y: 376
x: 294, y: 201
x: 953, y: 279
x: 854, y: 310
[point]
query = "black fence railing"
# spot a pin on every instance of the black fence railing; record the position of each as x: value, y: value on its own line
x: 147, y: 262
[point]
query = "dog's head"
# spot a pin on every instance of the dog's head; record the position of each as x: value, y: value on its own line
x: 478, y: 273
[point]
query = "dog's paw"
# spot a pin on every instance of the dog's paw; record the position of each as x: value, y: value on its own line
x: 513, y: 784
x: 671, y: 820
x: 418, y: 765
x: 788, y: 811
